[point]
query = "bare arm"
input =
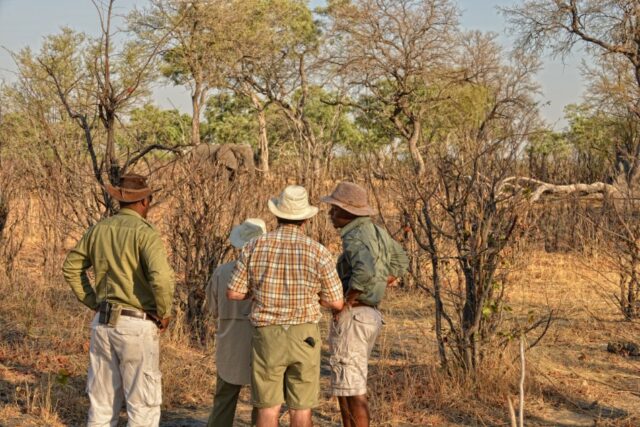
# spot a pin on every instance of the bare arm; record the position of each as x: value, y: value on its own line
x: 237, y: 296
x: 332, y: 305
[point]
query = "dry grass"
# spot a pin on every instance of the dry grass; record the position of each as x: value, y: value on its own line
x: 572, y: 380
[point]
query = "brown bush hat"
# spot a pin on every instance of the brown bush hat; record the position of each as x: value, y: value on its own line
x: 132, y: 188
x: 350, y: 197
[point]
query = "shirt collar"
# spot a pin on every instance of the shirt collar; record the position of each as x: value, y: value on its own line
x: 361, y: 220
x: 289, y: 228
x: 130, y: 212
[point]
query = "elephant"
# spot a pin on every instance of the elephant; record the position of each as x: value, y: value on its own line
x: 235, y: 157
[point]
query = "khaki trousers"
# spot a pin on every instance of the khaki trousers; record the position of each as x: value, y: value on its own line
x: 224, y: 405
x: 124, y: 366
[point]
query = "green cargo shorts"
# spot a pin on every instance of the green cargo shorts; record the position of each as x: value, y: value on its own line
x: 285, y: 367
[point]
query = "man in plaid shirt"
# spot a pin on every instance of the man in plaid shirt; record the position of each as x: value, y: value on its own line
x: 288, y: 276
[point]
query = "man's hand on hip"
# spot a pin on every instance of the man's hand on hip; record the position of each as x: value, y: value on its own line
x: 164, y: 324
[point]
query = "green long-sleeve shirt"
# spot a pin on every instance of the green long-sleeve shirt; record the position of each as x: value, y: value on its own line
x: 369, y: 257
x: 129, y: 263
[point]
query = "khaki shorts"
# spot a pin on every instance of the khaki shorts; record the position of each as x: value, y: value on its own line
x: 285, y: 368
x: 351, y: 339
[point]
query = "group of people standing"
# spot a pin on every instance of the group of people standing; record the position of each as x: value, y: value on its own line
x: 267, y: 303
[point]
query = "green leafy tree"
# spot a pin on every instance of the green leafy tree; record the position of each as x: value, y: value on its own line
x: 198, y: 45
x: 230, y: 119
x: 608, y: 30
x: 392, y: 50
x: 151, y: 126
x: 593, y: 137
x: 280, y: 46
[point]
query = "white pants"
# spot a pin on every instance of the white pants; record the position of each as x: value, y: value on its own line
x: 124, y: 365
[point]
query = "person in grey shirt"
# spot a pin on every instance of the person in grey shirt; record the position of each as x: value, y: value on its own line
x: 234, y: 332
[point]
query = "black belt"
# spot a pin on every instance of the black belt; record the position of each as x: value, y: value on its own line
x: 139, y: 315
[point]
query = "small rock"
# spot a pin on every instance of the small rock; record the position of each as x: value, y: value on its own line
x: 624, y: 348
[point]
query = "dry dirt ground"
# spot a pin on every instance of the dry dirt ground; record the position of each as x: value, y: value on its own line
x: 571, y: 379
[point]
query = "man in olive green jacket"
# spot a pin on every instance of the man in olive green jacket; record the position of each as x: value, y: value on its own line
x: 370, y: 261
x: 132, y: 297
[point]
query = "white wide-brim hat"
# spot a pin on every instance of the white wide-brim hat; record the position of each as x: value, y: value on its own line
x: 251, y: 228
x: 293, y: 204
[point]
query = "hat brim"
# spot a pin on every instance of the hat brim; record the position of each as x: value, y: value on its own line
x: 309, y: 212
x: 128, y: 195
x: 238, y: 241
x: 358, y: 211
x: 235, y: 239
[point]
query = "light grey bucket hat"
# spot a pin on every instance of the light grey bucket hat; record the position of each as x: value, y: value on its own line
x: 251, y: 228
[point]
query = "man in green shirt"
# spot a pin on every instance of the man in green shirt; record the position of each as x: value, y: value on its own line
x: 132, y: 297
x: 370, y: 261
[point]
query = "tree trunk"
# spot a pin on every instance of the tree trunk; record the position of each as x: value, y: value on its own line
x: 263, y: 140
x: 413, y: 141
x: 111, y: 159
x: 439, y: 309
x: 469, y: 315
x: 196, y: 96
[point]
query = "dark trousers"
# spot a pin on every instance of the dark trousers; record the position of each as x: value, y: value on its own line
x: 224, y: 405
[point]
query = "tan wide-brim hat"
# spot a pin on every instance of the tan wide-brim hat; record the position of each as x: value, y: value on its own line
x: 293, y: 204
x: 251, y: 228
x: 350, y: 197
x: 132, y: 188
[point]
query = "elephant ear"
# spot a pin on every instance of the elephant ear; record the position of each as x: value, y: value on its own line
x: 226, y: 156
x: 245, y: 156
x: 205, y: 151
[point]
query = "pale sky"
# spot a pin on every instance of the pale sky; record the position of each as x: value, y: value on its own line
x: 24, y: 23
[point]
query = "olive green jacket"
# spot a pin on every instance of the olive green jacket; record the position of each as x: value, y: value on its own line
x: 369, y: 257
x: 129, y: 263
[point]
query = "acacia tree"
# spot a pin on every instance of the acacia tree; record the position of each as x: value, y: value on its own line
x: 395, y: 56
x: 198, y: 45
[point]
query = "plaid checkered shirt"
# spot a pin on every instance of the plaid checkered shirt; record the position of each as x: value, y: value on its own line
x: 288, y: 273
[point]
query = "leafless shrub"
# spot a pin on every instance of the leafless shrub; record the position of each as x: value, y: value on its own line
x: 14, y: 210
x: 621, y: 239
x: 67, y: 204
x: 460, y: 212
x: 468, y: 231
x: 202, y: 205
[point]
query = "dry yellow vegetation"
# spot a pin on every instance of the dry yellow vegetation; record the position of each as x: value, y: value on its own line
x: 571, y: 379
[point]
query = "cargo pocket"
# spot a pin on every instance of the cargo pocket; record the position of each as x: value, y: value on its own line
x: 367, y: 326
x: 367, y: 323
x: 152, y: 388
x: 366, y: 318
x: 339, y: 325
x: 339, y: 369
